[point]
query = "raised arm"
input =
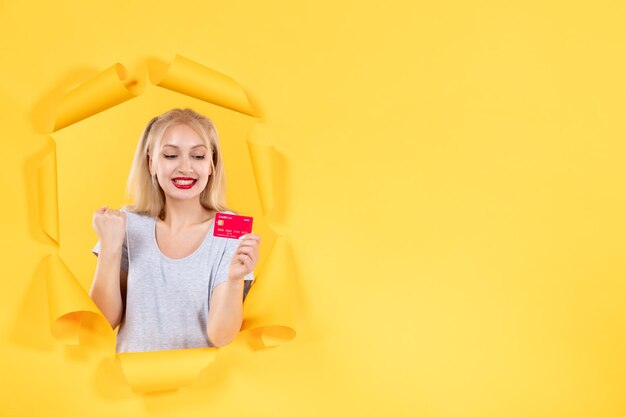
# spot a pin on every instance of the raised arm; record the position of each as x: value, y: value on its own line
x: 109, y: 285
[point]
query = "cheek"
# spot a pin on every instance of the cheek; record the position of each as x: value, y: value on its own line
x: 205, y: 170
x: 166, y: 166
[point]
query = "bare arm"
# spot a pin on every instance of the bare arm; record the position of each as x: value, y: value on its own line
x: 226, y: 313
x: 109, y: 285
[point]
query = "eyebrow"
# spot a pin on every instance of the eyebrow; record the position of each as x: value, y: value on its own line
x: 174, y: 146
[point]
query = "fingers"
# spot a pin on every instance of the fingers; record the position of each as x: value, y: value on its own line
x: 250, y: 240
x: 104, y: 210
x: 249, y: 252
x: 248, y: 246
x: 248, y: 249
x: 246, y: 260
x: 249, y: 243
x: 250, y: 236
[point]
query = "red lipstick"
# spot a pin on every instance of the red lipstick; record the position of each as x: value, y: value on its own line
x: 184, y: 186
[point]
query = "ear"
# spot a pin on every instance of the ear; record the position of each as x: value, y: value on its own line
x: 212, y: 166
x: 149, y: 163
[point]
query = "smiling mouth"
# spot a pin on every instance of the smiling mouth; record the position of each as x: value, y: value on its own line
x: 184, y: 184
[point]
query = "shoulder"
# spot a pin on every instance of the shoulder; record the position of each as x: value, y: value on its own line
x: 137, y: 222
x: 134, y: 214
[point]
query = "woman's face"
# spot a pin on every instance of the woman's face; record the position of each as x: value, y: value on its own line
x: 183, y: 163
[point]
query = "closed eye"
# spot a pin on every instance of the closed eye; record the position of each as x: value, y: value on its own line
x: 174, y: 156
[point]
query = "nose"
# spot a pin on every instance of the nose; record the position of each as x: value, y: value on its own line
x: 185, y: 164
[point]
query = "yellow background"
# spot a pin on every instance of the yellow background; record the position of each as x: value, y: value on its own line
x: 454, y: 202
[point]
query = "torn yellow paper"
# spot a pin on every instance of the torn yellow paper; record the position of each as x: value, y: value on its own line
x: 274, y: 324
x: 263, y: 162
x: 100, y: 126
x: 164, y: 369
x: 196, y: 80
x: 74, y: 317
x: 105, y: 90
x: 48, y: 204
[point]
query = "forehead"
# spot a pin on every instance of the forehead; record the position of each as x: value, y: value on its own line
x: 181, y: 136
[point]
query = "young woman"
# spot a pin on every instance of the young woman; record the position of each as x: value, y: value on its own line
x: 161, y: 274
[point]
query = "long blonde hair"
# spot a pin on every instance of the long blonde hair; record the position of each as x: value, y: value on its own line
x: 149, y: 198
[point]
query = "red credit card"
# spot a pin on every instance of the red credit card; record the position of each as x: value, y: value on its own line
x: 231, y: 225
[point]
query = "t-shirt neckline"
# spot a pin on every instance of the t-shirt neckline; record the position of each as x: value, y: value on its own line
x: 194, y: 253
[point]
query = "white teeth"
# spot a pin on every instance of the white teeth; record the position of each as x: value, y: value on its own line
x: 184, y: 182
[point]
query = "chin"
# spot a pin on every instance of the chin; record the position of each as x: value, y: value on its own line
x: 184, y: 196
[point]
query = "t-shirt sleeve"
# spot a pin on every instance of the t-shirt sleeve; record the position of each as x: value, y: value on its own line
x: 224, y: 265
x: 124, y: 263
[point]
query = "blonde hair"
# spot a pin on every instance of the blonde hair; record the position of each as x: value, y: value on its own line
x: 149, y: 198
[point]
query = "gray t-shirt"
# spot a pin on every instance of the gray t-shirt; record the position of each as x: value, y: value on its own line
x: 168, y: 300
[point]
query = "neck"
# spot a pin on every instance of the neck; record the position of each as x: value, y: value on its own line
x: 182, y: 214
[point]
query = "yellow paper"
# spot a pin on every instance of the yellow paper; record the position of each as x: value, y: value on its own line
x: 103, y: 91
x: 195, y: 80
x: 48, y: 204
x: 73, y: 315
x: 263, y: 161
x: 275, y: 325
x: 453, y: 198
x: 166, y: 369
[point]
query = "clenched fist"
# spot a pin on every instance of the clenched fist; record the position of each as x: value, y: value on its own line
x: 110, y: 226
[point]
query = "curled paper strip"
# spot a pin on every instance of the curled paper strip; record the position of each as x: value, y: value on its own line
x: 48, y: 205
x: 195, y: 80
x: 263, y: 162
x: 105, y: 90
x: 276, y: 326
x: 75, y: 319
